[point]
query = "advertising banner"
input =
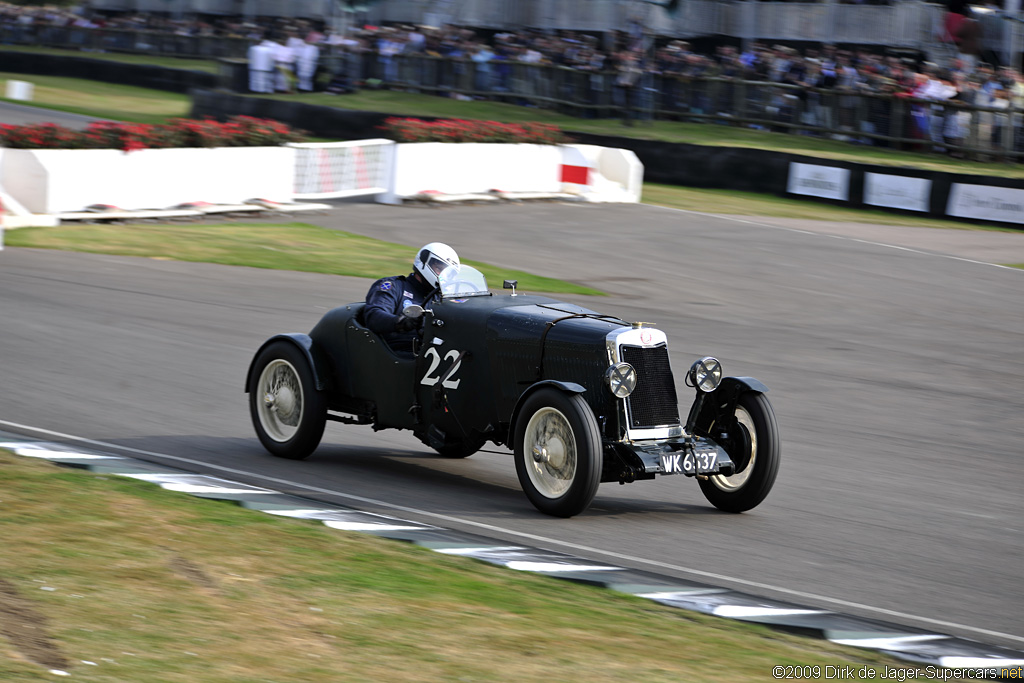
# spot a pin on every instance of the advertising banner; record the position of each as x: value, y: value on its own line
x: 985, y: 202
x: 827, y: 182
x: 897, y: 192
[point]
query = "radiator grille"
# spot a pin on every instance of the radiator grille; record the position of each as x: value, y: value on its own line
x: 653, y: 403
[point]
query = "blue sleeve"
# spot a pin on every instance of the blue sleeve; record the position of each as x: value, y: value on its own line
x: 381, y: 306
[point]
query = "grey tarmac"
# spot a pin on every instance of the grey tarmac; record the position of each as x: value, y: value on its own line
x: 896, y: 373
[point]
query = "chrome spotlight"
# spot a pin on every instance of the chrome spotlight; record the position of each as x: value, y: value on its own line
x: 706, y: 374
x: 621, y: 379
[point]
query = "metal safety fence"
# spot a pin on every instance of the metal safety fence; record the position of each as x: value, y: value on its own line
x: 160, y: 43
x: 877, y: 118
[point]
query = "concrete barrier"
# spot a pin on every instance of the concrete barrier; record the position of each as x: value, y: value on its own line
x: 53, y: 181
x: 470, y: 168
x: 19, y: 90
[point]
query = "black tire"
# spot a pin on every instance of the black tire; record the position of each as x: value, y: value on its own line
x: 460, y: 449
x: 564, y: 484
x: 754, y: 447
x: 287, y: 411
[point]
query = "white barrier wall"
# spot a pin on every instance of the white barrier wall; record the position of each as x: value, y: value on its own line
x: 614, y: 175
x: 472, y: 168
x: 595, y: 173
x: 55, y: 181
x: 50, y: 181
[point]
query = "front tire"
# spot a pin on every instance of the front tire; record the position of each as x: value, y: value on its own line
x: 558, y: 452
x: 753, y: 444
x: 287, y: 411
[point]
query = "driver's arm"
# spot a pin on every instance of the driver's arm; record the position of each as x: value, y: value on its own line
x: 381, y: 304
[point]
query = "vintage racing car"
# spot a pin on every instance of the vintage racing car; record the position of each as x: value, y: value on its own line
x: 580, y: 398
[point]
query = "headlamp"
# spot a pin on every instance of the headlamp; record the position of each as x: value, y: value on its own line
x: 705, y: 374
x: 621, y: 379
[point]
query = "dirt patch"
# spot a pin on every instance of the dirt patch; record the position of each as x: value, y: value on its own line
x: 189, y: 570
x: 26, y: 628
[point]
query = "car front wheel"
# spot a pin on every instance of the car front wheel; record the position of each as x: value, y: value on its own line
x: 287, y: 411
x: 558, y: 452
x: 752, y: 441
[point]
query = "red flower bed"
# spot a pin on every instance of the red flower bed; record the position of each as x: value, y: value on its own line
x: 457, y: 130
x: 238, y: 131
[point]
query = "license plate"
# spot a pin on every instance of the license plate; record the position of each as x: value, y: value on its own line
x: 701, y: 462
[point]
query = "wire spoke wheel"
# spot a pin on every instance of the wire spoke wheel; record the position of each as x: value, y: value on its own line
x: 279, y: 397
x: 288, y: 411
x: 550, y: 447
x: 558, y: 452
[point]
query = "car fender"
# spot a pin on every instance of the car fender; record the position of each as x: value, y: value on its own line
x: 721, y: 402
x: 568, y: 387
x: 304, y: 343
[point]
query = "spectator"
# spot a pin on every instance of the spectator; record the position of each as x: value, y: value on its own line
x: 308, y: 57
x: 261, y: 67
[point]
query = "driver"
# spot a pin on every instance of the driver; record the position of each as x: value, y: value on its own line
x: 389, y: 296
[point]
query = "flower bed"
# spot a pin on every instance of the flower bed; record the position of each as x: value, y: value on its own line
x: 457, y: 130
x: 238, y: 131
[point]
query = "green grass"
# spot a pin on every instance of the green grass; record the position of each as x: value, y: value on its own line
x: 103, y: 100
x: 292, y: 246
x: 150, y: 585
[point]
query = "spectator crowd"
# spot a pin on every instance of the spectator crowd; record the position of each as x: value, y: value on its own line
x: 639, y: 75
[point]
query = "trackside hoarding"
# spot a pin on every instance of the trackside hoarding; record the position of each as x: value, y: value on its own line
x: 985, y: 202
x: 827, y: 182
x: 897, y: 192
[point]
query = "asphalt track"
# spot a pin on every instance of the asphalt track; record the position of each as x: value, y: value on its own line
x: 25, y: 115
x: 895, y: 361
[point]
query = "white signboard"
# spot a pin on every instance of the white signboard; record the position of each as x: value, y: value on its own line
x: 896, y: 191
x: 986, y: 203
x: 828, y: 182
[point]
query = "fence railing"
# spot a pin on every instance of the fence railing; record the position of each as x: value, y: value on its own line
x: 116, y: 40
x: 858, y: 117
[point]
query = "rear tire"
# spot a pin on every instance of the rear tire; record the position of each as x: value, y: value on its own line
x: 558, y: 452
x: 287, y: 411
x: 754, y: 446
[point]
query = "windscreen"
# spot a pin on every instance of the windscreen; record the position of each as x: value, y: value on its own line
x: 456, y: 282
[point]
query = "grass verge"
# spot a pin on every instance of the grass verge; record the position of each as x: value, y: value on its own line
x: 291, y: 246
x: 149, y: 585
x: 103, y: 100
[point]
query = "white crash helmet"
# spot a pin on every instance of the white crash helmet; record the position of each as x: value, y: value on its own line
x: 432, y: 259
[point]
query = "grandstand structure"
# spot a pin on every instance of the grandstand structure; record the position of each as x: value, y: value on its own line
x: 894, y: 24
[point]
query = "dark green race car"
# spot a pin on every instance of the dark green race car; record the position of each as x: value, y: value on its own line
x: 581, y: 398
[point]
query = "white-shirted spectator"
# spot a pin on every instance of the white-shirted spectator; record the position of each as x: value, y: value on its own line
x: 261, y: 67
x: 284, y: 63
x: 305, y: 65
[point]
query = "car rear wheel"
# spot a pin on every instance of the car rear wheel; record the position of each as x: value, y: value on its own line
x: 558, y: 452
x: 753, y: 444
x: 287, y: 411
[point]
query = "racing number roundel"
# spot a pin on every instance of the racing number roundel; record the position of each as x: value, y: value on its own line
x: 430, y: 379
